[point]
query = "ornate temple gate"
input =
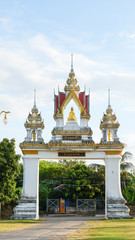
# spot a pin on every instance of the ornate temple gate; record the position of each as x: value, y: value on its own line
x: 71, y: 141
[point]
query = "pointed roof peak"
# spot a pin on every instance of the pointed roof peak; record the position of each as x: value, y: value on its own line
x: 109, y: 105
x: 109, y: 110
x: 34, y: 97
x: 72, y: 69
x: 72, y: 73
x: 34, y: 109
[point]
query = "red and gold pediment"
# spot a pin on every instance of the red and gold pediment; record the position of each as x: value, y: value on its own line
x: 72, y: 95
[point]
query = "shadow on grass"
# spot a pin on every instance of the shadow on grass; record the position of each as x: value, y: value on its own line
x: 20, y: 221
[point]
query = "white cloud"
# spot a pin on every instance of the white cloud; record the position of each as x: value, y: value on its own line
x: 127, y: 35
x: 5, y: 23
x: 37, y: 63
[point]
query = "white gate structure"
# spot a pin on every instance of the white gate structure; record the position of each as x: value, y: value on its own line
x: 71, y: 141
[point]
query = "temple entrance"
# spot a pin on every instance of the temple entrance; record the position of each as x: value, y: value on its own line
x: 71, y: 139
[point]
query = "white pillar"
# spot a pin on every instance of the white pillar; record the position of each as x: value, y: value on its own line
x: 28, y: 207
x: 30, y: 176
x: 84, y: 122
x: 114, y: 201
x: 29, y: 135
x: 59, y: 123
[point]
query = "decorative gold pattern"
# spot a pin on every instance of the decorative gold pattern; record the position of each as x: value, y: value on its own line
x: 72, y: 82
x: 72, y: 89
x: 72, y: 95
x: 72, y: 132
x: 109, y: 120
x: 72, y: 145
x: 34, y: 119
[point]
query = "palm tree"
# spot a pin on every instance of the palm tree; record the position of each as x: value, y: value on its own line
x: 126, y: 165
x: 127, y: 170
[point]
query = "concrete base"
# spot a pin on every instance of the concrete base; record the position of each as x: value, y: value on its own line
x: 26, y: 209
x: 117, y: 210
x: 71, y: 125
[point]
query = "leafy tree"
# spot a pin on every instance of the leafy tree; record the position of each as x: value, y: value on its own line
x: 49, y: 172
x: 82, y: 181
x: 127, y: 177
x: 129, y: 192
x: 10, y: 168
x: 71, y: 179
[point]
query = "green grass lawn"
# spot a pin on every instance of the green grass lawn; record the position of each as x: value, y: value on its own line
x: 10, y: 225
x: 106, y: 230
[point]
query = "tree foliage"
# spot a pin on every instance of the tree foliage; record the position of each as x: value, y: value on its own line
x: 9, y: 170
x: 129, y: 191
x: 128, y: 178
x: 71, y: 179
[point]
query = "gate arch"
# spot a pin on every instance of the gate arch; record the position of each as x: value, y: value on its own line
x: 71, y: 141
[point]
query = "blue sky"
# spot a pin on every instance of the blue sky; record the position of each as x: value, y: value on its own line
x: 36, y: 40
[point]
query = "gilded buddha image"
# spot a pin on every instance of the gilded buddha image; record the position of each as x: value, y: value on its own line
x: 72, y: 115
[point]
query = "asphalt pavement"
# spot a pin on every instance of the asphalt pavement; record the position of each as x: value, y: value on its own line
x: 53, y: 228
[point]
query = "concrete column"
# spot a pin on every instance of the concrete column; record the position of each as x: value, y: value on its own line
x: 114, y: 201
x: 104, y: 137
x: 116, y: 139
x: 28, y: 205
x: 59, y: 123
x: 29, y: 135
x: 39, y: 135
x: 84, y: 122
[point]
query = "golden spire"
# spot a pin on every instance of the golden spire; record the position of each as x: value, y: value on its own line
x: 72, y: 81
x: 72, y: 115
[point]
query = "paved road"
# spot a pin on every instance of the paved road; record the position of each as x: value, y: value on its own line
x: 54, y: 228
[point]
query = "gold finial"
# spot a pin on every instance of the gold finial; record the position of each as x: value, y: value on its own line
x: 72, y: 115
